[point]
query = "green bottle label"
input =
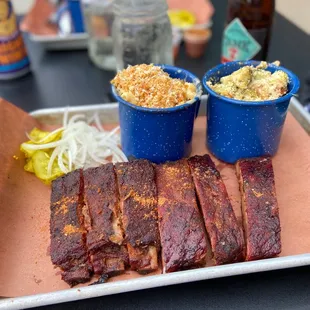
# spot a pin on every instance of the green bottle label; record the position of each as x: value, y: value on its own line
x: 238, y: 44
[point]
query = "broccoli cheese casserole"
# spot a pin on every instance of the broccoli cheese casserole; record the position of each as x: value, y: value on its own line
x: 149, y: 86
x: 252, y: 84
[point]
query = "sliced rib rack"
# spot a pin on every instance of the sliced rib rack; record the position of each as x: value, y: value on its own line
x: 103, y: 221
x: 138, y: 196
x: 68, y: 248
x: 225, y: 234
x: 260, y: 208
x: 182, y: 233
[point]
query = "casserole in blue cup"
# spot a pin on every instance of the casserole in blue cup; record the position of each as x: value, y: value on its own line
x: 243, y: 129
x: 159, y: 134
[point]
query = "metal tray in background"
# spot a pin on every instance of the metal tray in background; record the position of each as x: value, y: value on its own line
x: 75, y: 41
x: 108, y: 113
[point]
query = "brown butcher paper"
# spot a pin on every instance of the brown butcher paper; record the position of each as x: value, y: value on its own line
x: 25, y: 264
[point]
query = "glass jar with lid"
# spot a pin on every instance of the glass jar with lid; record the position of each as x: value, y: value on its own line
x: 141, y: 33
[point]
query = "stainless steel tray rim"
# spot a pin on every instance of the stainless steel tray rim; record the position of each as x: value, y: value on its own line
x: 76, y: 109
x: 155, y: 281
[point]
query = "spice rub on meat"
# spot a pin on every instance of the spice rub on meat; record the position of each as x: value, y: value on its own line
x: 138, y: 196
x: 68, y: 248
x: 260, y: 208
x: 225, y: 234
x: 182, y: 233
x: 103, y: 221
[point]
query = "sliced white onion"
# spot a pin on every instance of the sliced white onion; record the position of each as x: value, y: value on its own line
x: 97, y: 122
x: 69, y: 160
x: 82, y: 145
x: 61, y: 163
x: 51, y: 161
x: 50, y: 145
x: 46, y: 137
x: 75, y: 118
x: 65, y: 118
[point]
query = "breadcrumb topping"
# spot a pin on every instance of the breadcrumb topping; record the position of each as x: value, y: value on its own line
x: 149, y: 86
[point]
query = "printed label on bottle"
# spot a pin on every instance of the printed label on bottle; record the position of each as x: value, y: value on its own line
x: 13, y: 55
x: 238, y: 43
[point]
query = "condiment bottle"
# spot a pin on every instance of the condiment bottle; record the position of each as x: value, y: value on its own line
x: 14, y: 61
x: 141, y: 33
x: 247, y: 32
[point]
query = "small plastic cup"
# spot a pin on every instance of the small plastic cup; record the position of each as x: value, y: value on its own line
x: 176, y: 41
x: 243, y: 129
x: 196, y: 41
x: 163, y: 134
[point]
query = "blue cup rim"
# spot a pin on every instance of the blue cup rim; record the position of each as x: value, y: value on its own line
x: 165, y: 110
x: 292, y: 77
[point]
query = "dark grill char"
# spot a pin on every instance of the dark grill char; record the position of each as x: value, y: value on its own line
x: 260, y: 208
x: 68, y: 248
x: 105, y: 236
x: 225, y: 234
x: 182, y: 233
x: 136, y: 183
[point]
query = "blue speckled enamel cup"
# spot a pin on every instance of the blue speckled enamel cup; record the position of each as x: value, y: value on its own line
x: 159, y: 134
x: 243, y: 129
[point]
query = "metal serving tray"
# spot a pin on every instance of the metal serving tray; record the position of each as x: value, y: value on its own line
x: 59, y: 43
x: 110, y: 115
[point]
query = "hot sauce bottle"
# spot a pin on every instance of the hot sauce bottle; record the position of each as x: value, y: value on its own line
x: 247, y: 32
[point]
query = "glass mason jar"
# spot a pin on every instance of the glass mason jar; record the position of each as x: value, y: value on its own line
x: 141, y: 33
x: 99, y: 16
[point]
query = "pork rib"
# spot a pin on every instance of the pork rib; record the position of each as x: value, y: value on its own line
x: 138, y: 195
x: 68, y: 248
x: 182, y: 233
x: 105, y: 235
x: 225, y: 234
x: 260, y: 208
